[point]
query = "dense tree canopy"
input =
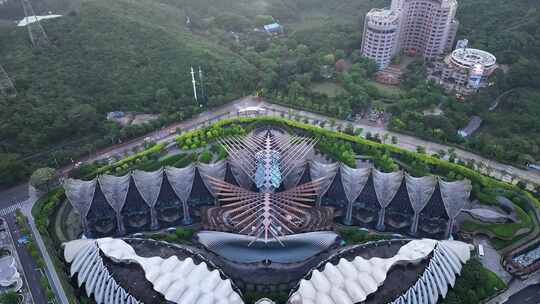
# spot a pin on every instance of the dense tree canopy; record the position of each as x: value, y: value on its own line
x: 135, y: 56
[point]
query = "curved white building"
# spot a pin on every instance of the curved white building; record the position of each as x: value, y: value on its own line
x: 428, y: 26
x: 381, y: 36
x: 465, y: 70
x: 419, y: 27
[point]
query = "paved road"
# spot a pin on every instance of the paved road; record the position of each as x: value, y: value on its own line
x: 499, y: 171
x: 529, y: 295
x: 30, y: 268
x: 518, y: 290
x: 492, y: 259
x: 12, y: 195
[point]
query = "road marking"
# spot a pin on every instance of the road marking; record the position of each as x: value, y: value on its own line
x: 11, y: 209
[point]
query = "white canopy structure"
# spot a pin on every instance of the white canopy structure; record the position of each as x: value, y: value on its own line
x: 179, y: 281
x: 419, y: 191
x: 386, y: 188
x: 350, y: 282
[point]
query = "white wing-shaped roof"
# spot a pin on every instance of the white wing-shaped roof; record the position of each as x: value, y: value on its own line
x: 181, y: 180
x: 386, y: 185
x: 149, y: 185
x: 351, y: 282
x: 327, y: 172
x: 455, y: 195
x: 442, y: 270
x: 420, y: 190
x: 80, y: 193
x: 87, y: 264
x: 115, y: 189
x: 354, y: 181
x: 179, y: 281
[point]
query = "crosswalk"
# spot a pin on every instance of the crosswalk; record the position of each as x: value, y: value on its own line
x: 11, y: 209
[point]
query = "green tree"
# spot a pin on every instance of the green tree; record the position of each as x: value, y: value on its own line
x: 205, y: 157
x: 329, y: 59
x: 12, y: 169
x: 9, y: 298
x: 164, y: 96
x: 43, y: 178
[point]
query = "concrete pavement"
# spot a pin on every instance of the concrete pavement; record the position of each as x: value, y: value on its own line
x: 492, y: 259
x: 515, y: 289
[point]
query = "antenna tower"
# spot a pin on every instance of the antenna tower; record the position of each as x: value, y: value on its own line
x: 37, y: 34
x: 194, y: 84
x: 203, y: 89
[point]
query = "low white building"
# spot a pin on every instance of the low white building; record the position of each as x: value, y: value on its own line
x: 10, y: 278
x: 464, y: 71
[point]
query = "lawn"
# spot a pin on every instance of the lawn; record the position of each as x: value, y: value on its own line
x: 329, y: 88
x: 386, y: 91
x: 502, y: 232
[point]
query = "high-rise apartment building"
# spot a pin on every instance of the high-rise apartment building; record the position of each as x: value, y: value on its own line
x: 419, y: 27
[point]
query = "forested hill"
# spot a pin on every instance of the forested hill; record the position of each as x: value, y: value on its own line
x: 134, y: 55
x: 510, y: 30
x: 112, y: 55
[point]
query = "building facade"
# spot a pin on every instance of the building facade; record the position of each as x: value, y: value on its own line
x: 381, y: 36
x: 464, y: 71
x: 419, y: 27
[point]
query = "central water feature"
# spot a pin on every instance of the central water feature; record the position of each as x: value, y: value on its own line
x: 242, y: 249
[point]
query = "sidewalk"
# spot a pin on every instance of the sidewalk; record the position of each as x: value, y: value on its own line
x: 50, y: 270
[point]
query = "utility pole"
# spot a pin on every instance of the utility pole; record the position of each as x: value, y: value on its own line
x: 194, y: 84
x: 203, y: 89
x: 37, y: 34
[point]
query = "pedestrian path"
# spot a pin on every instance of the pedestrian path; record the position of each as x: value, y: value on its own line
x: 11, y: 209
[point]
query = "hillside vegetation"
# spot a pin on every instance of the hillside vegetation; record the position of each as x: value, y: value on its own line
x: 134, y: 55
x: 113, y: 55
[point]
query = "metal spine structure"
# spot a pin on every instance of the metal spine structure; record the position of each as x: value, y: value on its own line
x: 37, y: 34
x: 268, y: 156
x: 266, y: 215
x: 6, y: 85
